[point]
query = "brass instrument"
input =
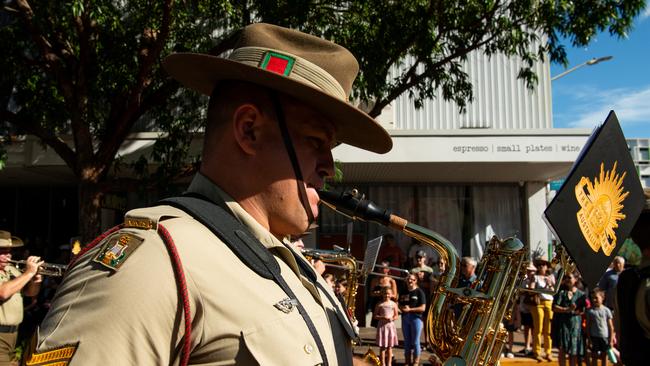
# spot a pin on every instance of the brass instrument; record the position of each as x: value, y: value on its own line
x: 45, y: 269
x: 346, y: 261
x: 354, y: 277
x: 318, y: 253
x: 463, y: 325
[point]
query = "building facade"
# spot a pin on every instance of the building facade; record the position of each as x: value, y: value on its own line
x: 470, y: 175
x: 640, y: 151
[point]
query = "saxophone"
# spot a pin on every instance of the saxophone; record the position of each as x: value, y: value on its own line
x: 463, y: 325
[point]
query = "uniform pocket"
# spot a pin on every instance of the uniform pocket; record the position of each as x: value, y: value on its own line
x: 283, y: 341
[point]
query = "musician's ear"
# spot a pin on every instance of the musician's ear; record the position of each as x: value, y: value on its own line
x: 248, y: 122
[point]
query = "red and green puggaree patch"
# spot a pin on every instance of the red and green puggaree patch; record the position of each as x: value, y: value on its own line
x: 278, y: 63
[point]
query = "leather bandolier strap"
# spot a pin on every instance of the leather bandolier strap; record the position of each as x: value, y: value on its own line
x: 247, y: 248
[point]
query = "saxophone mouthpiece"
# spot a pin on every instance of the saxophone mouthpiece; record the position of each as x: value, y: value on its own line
x: 353, y: 205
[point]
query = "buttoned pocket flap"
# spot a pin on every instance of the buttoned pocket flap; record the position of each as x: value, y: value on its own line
x: 283, y: 341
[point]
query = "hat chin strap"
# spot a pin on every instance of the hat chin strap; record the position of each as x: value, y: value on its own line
x: 288, y: 144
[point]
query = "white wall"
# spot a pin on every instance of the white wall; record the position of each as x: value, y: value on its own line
x: 501, y: 100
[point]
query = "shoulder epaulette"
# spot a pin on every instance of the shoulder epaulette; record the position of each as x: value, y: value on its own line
x: 148, y: 218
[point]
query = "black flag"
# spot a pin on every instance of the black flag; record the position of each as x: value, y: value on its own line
x: 599, y: 202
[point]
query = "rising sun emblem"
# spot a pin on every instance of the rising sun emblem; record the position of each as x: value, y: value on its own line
x: 601, y: 206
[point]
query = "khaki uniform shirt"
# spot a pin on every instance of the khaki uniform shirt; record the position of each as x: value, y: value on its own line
x: 11, y: 311
x: 132, y: 315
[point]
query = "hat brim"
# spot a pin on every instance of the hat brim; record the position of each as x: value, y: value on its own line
x: 15, y: 242
x: 201, y: 72
x: 541, y: 262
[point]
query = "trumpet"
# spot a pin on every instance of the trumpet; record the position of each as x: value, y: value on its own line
x: 311, y: 253
x: 45, y: 269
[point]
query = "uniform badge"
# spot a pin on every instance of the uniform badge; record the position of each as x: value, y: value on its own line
x: 286, y: 305
x: 118, y: 248
x: 60, y: 356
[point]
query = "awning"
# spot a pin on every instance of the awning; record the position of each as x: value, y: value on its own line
x: 467, y: 156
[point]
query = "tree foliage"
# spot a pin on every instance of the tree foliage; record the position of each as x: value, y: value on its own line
x: 81, y: 75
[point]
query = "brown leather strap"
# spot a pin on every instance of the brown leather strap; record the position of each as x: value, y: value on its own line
x: 288, y: 144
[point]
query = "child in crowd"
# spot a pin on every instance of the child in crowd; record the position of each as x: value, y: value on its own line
x: 330, y: 280
x: 511, y: 326
x: 341, y: 290
x: 568, y: 306
x: 524, y: 312
x: 385, y: 313
x: 600, y: 328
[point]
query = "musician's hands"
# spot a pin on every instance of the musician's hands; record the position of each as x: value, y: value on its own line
x: 406, y: 309
x: 31, y: 266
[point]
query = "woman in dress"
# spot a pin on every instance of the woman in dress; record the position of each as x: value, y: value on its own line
x: 385, y: 313
x: 568, y: 305
x: 377, y: 284
x: 412, y: 306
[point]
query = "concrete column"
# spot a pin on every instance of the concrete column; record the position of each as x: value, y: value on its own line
x: 538, y: 234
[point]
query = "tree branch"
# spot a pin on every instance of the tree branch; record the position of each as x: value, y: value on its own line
x: 83, y: 138
x: 412, y: 81
x: 133, y: 111
x: 48, y: 138
x: 51, y: 58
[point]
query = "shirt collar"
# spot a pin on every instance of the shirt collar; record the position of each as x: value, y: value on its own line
x: 203, y: 186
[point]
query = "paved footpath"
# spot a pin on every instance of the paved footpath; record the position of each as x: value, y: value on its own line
x: 368, y: 337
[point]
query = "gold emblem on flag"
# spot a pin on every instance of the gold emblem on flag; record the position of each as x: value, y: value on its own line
x: 601, y: 205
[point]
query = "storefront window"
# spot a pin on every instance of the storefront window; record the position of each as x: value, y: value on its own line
x: 465, y: 215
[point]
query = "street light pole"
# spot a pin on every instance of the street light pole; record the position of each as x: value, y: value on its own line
x: 593, y: 61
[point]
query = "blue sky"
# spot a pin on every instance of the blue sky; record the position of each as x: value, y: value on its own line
x: 583, y: 97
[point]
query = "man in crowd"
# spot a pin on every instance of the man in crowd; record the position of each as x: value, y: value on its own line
x: 416, y: 246
x: 12, y: 283
x: 222, y: 285
x: 391, y: 252
x: 467, y: 269
x: 608, y: 282
x: 421, y: 264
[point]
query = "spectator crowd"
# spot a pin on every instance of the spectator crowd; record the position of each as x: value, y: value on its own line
x: 577, y: 321
x: 570, y: 317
